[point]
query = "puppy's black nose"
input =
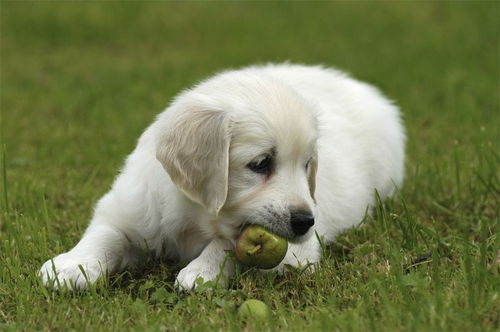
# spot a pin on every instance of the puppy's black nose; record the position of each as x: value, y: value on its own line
x: 301, y: 221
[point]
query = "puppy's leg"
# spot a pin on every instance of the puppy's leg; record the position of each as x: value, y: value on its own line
x: 301, y: 254
x: 101, y: 250
x: 211, y: 265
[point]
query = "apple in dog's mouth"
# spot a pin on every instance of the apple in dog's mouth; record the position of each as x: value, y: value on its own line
x: 258, y: 247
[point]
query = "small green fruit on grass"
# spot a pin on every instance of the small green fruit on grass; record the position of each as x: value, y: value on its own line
x: 255, y: 310
x: 258, y: 247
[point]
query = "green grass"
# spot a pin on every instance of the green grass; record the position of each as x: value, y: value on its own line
x: 80, y: 81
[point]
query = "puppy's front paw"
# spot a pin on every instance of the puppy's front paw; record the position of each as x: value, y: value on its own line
x: 197, y: 273
x: 65, y: 270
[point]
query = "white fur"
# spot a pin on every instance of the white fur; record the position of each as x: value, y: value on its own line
x: 185, y: 192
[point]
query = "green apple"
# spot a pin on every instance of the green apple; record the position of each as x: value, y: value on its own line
x: 255, y: 310
x: 258, y: 247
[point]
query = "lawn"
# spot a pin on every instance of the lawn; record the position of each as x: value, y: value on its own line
x: 80, y: 81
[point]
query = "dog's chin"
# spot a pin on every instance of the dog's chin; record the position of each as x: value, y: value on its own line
x: 301, y: 238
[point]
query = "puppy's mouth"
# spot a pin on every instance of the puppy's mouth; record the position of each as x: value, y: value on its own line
x: 293, y: 238
x: 284, y: 232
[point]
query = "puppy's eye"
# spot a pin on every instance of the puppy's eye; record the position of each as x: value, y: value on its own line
x: 262, y: 166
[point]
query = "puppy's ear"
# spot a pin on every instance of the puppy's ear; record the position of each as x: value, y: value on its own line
x: 195, y: 153
x: 311, y: 176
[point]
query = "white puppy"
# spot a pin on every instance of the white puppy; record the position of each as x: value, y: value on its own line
x: 284, y: 146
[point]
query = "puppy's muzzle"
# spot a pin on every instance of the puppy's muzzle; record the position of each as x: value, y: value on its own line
x: 301, y: 221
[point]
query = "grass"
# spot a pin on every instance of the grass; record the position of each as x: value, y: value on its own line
x: 80, y: 81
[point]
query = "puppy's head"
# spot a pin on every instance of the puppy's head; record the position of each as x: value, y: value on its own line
x: 246, y: 152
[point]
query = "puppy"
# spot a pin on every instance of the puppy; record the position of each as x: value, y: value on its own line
x: 296, y: 149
